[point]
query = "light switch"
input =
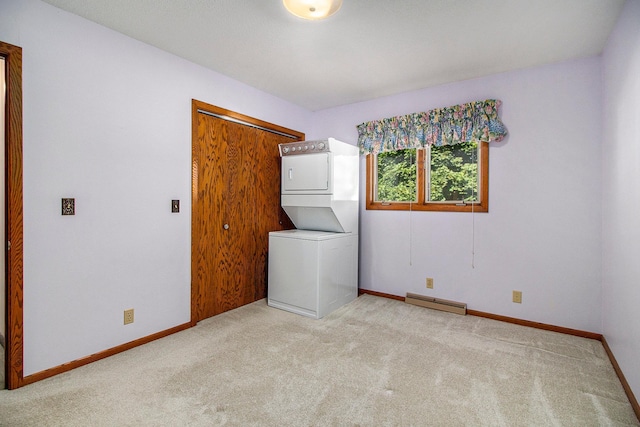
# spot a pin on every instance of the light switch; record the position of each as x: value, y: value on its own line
x: 175, y: 206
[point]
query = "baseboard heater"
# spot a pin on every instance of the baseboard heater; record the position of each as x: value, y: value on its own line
x: 436, y: 303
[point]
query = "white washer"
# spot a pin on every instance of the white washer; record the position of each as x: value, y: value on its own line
x: 312, y: 273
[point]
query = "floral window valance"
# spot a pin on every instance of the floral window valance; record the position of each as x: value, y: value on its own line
x: 475, y: 121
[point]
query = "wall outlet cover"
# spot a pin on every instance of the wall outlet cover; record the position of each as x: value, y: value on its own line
x: 517, y: 297
x: 128, y: 316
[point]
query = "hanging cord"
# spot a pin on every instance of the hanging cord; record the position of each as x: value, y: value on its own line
x: 411, y: 217
x: 473, y: 212
x: 473, y: 236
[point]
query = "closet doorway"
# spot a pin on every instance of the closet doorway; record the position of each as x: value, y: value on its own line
x: 235, y: 204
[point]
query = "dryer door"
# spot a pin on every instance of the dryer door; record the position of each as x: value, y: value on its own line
x: 306, y: 174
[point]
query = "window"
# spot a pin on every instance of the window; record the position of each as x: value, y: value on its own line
x: 446, y: 178
x: 436, y: 160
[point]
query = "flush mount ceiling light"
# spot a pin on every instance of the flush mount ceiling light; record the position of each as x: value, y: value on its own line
x: 312, y: 9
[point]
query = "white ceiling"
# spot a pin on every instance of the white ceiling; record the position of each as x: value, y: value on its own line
x: 369, y: 49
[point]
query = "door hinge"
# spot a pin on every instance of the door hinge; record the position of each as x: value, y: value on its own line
x: 8, y: 245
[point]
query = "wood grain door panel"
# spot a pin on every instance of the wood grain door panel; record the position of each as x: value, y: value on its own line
x: 236, y: 182
x: 209, y: 156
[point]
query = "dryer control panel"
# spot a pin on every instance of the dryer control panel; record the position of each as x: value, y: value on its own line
x: 303, y: 147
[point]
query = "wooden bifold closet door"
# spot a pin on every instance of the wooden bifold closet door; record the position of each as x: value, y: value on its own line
x: 235, y: 204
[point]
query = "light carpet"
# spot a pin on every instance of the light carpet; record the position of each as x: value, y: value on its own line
x: 374, y: 362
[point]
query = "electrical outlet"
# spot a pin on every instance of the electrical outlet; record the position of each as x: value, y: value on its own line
x: 429, y: 282
x: 517, y: 297
x: 128, y: 316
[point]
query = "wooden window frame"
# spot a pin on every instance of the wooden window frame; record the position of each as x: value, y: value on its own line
x: 421, y: 204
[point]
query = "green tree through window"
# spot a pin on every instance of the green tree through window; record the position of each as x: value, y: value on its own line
x: 397, y: 176
x: 453, y: 173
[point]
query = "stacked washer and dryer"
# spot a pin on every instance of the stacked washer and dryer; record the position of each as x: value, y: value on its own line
x: 313, y: 269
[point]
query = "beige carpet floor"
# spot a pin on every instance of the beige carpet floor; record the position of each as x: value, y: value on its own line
x: 374, y: 362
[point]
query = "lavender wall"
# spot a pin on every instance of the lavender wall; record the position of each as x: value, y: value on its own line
x: 621, y: 193
x: 542, y: 235
x: 107, y: 120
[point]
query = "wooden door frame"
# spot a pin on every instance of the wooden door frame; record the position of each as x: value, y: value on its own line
x: 196, y: 107
x: 14, y: 351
